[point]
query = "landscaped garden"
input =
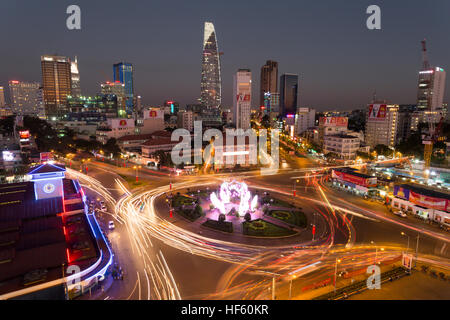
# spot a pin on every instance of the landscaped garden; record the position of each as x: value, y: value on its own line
x: 261, y: 228
x: 224, y: 226
x: 296, y: 218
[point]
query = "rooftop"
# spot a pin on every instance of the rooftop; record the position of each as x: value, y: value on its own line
x: 426, y: 191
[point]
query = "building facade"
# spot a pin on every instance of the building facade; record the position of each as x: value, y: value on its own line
x: 430, y: 95
x: 242, y: 98
x: 2, y: 97
x: 304, y: 119
x: 57, y: 84
x: 25, y: 97
x: 344, y: 145
x: 288, y: 94
x: 331, y: 126
x: 75, y: 76
x: 123, y: 73
x: 269, y: 80
x: 117, y: 89
x: 185, y: 120
x: 381, y: 125
x: 211, y: 83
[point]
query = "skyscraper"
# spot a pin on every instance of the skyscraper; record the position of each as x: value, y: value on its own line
x: 117, y: 89
x: 211, y: 86
x: 2, y: 97
x: 431, y: 88
x: 242, y: 98
x: 75, y: 75
x: 25, y: 97
x: 288, y: 94
x: 57, y: 84
x: 269, y: 80
x: 123, y: 72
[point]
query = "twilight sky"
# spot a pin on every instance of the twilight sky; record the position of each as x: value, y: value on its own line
x: 340, y: 62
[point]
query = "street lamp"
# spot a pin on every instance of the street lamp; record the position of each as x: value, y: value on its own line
x: 404, y: 234
x: 335, y: 273
x: 136, y: 168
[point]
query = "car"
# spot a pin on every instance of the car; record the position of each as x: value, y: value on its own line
x: 400, y: 214
x: 111, y: 225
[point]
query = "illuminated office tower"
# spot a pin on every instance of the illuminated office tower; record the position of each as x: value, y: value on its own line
x: 269, y: 80
x: 75, y: 75
x: 211, y: 86
x: 123, y: 73
x: 2, y: 97
x: 242, y: 98
x: 25, y: 97
x: 288, y: 94
x: 117, y: 89
x: 57, y: 84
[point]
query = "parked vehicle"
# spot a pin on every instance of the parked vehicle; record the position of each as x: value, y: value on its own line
x: 400, y: 214
x: 111, y: 225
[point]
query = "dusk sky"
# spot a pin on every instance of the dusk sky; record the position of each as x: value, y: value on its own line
x: 340, y: 62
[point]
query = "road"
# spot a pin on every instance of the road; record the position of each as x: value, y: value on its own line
x: 163, y: 261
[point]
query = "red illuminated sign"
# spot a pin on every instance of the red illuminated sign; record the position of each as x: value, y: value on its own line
x: 24, y: 134
x: 377, y: 112
x: 429, y: 202
x: 365, y: 182
x: 333, y: 121
x: 123, y: 122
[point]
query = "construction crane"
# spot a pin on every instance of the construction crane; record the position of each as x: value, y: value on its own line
x: 426, y: 64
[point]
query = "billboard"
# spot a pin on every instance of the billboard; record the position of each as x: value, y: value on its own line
x: 333, y: 121
x: 24, y: 135
x: 377, y: 112
x: 357, y: 180
x: 122, y: 123
x: 242, y: 97
x: 46, y: 156
x: 429, y: 202
x: 154, y: 114
x: 401, y: 192
x: 407, y: 261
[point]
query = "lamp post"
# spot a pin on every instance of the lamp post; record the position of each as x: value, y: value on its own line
x: 417, y: 250
x: 335, y: 273
x: 404, y: 234
x: 137, y: 168
x: 376, y: 251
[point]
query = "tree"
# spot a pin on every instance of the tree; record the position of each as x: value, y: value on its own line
x: 112, y: 147
x: 247, y: 217
x: 265, y: 122
x: 221, y: 218
x: 383, y: 150
x: 198, y: 210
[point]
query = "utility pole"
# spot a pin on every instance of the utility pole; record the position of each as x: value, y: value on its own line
x: 335, y: 274
x: 417, y: 249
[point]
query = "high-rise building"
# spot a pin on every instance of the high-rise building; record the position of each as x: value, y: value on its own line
x: 430, y: 94
x: 288, y: 94
x: 123, y: 73
x: 25, y: 97
x: 269, y: 80
x: 57, y: 84
x: 2, y: 97
x: 185, y: 120
x: 381, y: 125
x: 75, y: 75
x: 173, y: 106
x: 304, y: 119
x: 271, y: 103
x: 211, y: 84
x: 242, y: 98
x: 118, y: 89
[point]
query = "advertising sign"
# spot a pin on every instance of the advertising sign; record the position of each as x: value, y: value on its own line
x: 243, y: 97
x: 407, y: 261
x: 365, y: 182
x: 401, y: 192
x: 154, y: 114
x: 8, y: 156
x: 333, y: 121
x: 429, y: 202
x: 24, y: 135
x: 377, y: 112
x: 46, y: 156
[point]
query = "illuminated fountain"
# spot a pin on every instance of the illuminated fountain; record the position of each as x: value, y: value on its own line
x: 230, y: 190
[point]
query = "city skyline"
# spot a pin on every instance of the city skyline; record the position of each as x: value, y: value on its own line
x: 379, y: 63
